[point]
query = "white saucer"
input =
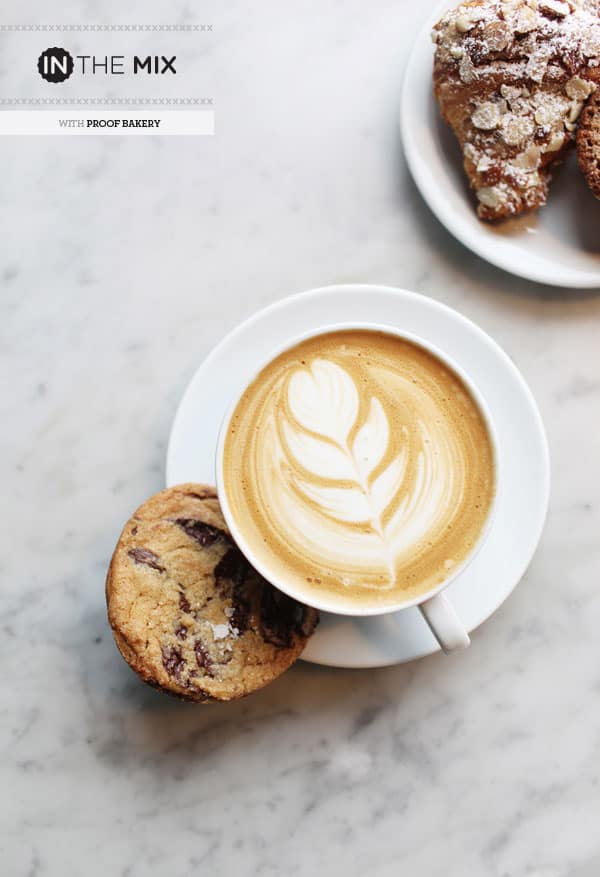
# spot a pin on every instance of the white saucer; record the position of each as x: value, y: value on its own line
x: 558, y: 245
x: 523, y: 495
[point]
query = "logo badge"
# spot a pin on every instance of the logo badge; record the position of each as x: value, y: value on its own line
x: 55, y: 64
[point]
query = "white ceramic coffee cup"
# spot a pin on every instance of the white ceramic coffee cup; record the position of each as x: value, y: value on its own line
x: 436, y: 608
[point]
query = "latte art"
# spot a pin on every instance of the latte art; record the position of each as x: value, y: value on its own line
x: 368, y: 468
x: 358, y: 464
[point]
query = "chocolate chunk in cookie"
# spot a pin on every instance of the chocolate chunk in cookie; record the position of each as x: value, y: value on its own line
x: 188, y: 612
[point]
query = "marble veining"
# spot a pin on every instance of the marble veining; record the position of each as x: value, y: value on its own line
x: 122, y: 263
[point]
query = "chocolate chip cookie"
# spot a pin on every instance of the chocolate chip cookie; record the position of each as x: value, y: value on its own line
x: 188, y: 612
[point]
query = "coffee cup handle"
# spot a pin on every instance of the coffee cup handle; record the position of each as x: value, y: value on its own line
x: 444, y: 623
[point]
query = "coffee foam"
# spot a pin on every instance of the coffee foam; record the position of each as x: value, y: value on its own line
x: 358, y: 466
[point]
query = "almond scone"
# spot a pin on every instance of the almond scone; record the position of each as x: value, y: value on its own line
x: 511, y: 78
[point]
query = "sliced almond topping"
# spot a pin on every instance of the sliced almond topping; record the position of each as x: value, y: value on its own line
x: 526, y: 20
x: 491, y: 197
x: 516, y: 129
x: 487, y: 116
x: 555, y: 8
x: 579, y: 89
x: 496, y: 36
x: 464, y: 23
x: 466, y: 69
x: 528, y: 160
x: 555, y: 142
x: 544, y: 115
x: 512, y: 93
x: 575, y: 110
x: 511, y: 7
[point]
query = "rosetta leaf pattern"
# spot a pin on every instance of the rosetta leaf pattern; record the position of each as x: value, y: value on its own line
x: 334, y: 456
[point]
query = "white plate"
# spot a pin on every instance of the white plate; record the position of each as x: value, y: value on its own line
x: 558, y: 245
x: 523, y: 457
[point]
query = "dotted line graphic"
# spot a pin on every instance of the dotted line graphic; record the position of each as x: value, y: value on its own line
x: 99, y: 28
x: 107, y: 101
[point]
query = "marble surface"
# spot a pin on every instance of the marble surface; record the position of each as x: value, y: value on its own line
x: 122, y: 262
